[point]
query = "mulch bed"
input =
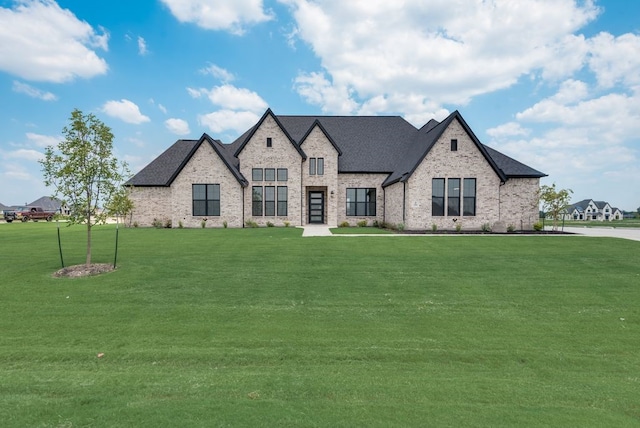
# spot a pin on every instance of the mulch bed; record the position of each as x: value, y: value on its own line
x: 79, y: 271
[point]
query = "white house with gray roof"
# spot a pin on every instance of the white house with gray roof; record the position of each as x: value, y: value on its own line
x: 300, y: 170
x: 591, y: 210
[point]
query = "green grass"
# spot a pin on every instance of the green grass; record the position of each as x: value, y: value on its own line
x: 635, y: 223
x: 260, y: 327
x: 360, y: 231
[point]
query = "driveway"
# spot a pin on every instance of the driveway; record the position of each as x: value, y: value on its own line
x: 606, y: 232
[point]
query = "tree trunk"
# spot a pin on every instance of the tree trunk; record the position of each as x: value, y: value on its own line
x: 89, y: 241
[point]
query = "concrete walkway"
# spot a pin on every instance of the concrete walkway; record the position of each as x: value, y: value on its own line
x: 606, y: 232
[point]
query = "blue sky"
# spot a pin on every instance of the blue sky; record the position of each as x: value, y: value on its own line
x: 552, y: 83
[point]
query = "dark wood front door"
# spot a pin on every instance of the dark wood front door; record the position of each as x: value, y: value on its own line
x: 316, y: 207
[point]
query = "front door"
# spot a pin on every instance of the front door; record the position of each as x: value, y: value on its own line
x: 316, y: 207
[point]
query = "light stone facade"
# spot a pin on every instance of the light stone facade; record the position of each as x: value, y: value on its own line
x: 407, y: 203
x: 281, y: 154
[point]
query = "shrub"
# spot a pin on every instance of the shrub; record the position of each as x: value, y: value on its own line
x: 269, y: 224
x: 167, y: 223
x: 287, y: 224
x: 458, y: 227
x: 135, y: 224
x: 344, y: 224
x: 400, y: 226
x: 225, y: 224
x: 511, y: 228
x: 251, y: 223
x: 538, y: 226
x: 377, y: 224
x: 434, y: 227
x: 180, y: 224
x: 362, y: 223
x: 486, y: 227
x: 156, y: 223
x: 203, y: 223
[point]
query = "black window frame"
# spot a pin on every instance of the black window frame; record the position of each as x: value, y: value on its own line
x: 454, y: 145
x: 257, y: 172
x: 312, y: 166
x: 269, y: 174
x: 269, y: 142
x: 256, y: 201
x: 209, y: 204
x: 282, y: 200
x: 361, y: 202
x: 469, y: 192
x: 319, y: 166
x: 269, y: 201
x: 437, y: 197
x: 453, y: 202
x: 282, y: 174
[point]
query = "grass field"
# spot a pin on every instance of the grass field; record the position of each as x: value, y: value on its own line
x: 635, y: 223
x: 260, y: 327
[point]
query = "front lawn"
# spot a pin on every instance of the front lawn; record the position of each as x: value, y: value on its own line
x: 261, y: 327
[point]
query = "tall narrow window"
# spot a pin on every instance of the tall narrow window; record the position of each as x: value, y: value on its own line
x: 256, y: 197
x: 320, y: 166
x: 269, y: 174
x: 312, y: 166
x: 256, y: 174
x: 282, y: 200
x: 453, y: 197
x: 206, y: 199
x: 469, y: 196
x: 361, y: 202
x: 437, y: 197
x: 269, y: 142
x: 454, y: 145
x: 269, y: 201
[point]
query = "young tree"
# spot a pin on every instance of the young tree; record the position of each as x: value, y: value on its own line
x: 554, y: 201
x: 121, y: 205
x: 83, y: 171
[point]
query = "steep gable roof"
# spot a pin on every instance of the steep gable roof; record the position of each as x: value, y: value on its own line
x: 318, y: 124
x: 164, y: 169
x: 247, y: 135
x: 47, y: 203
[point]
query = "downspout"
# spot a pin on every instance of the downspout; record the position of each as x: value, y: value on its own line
x: 243, y: 195
x: 301, y: 193
x: 404, y: 203
x: 500, y: 201
x: 384, y: 205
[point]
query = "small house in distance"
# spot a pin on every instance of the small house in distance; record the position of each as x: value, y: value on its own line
x: 590, y: 210
x: 300, y: 170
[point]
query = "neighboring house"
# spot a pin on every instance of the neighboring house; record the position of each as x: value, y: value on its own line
x: 334, y: 169
x: 49, y: 204
x: 591, y: 210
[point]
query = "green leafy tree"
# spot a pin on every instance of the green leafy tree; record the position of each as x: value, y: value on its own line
x: 83, y: 171
x: 554, y: 201
x: 121, y: 205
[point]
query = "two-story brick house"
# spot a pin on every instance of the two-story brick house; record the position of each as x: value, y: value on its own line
x: 332, y: 169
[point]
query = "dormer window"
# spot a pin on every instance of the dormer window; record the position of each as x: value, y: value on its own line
x: 454, y: 145
x: 269, y: 142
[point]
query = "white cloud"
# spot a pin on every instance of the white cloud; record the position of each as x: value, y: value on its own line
x: 142, y: 46
x: 218, y: 72
x: 228, y: 120
x: 29, y: 90
x: 177, y: 126
x: 125, y: 110
x: 432, y: 53
x: 25, y: 154
x: 43, y: 140
x: 41, y: 41
x: 226, y: 15
x: 510, y: 129
x: 615, y: 59
x: 231, y: 97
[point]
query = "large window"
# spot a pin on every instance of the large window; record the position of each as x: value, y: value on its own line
x: 453, y: 197
x: 282, y: 200
x: 361, y: 202
x: 256, y: 174
x: 469, y: 197
x: 316, y: 166
x: 437, y: 197
x: 206, y: 199
x: 449, y: 190
x: 270, y: 201
x: 256, y: 197
x: 283, y: 174
x: 266, y: 201
x: 269, y: 174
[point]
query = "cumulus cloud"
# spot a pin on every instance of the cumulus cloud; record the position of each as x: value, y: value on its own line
x: 177, y: 126
x: 228, y: 120
x: 29, y: 90
x: 219, y: 73
x: 43, y: 140
x: 25, y: 154
x: 41, y: 41
x: 432, y: 52
x: 125, y: 110
x: 226, y: 15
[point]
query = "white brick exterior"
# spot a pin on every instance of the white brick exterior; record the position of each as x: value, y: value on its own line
x: 513, y: 203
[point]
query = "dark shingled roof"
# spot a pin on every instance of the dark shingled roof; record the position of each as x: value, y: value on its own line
x: 366, y: 144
